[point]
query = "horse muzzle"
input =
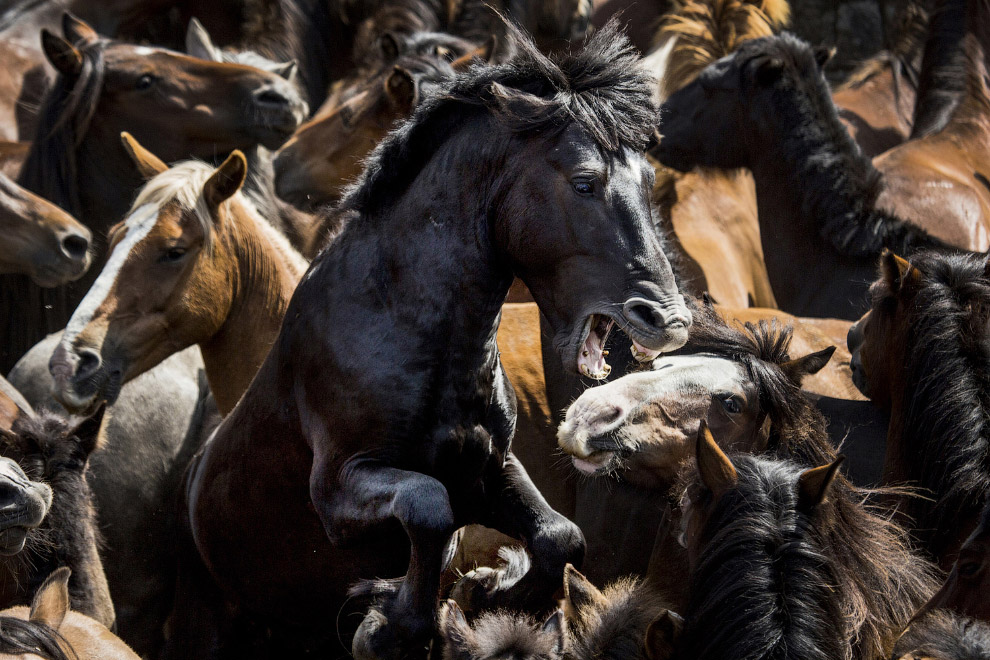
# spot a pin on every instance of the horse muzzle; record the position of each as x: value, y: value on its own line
x: 23, y: 506
x: 81, y: 380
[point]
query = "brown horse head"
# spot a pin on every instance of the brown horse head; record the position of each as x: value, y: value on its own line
x: 877, y: 342
x: 645, y: 423
x: 39, y: 238
x: 328, y: 152
x: 168, y: 281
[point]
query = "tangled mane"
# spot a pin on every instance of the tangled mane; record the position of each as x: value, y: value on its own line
x: 64, y: 119
x: 503, y: 636
x: 600, y: 88
x: 946, y: 427
x: 708, y: 30
x: 945, y: 635
x: 778, y: 582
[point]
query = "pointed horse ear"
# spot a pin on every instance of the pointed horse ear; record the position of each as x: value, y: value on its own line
x: 556, y: 626
x: 51, y: 602
x: 199, y: 44
x: 226, y: 179
x: 77, y: 31
x: 813, y: 484
x: 454, y: 626
x: 897, y: 271
x: 662, y: 635
x: 812, y: 363
x: 579, y: 593
x: 823, y: 55
x: 485, y: 52
x: 716, y: 470
x: 89, y: 430
x: 65, y: 57
x: 401, y: 89
x: 147, y: 163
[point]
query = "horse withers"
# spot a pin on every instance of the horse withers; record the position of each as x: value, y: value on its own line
x: 381, y: 420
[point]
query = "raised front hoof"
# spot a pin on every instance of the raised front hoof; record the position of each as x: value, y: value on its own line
x: 375, y: 639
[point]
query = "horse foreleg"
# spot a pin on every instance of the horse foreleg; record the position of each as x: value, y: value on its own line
x: 516, y: 507
x: 366, y: 495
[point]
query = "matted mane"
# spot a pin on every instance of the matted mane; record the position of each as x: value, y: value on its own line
x: 708, y: 30
x: 946, y: 428
x: 68, y: 108
x: 600, y: 88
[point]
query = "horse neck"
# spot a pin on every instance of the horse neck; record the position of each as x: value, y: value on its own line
x: 265, y: 271
x: 941, y: 82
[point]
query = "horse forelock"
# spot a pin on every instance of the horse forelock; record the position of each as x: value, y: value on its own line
x: 601, y: 88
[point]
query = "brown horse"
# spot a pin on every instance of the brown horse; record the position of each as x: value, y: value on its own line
x: 395, y: 423
x: 39, y: 239
x: 965, y: 589
x: 227, y: 281
x: 327, y: 153
x: 177, y: 105
x: 23, y: 82
x: 919, y: 355
x: 788, y: 562
x: 52, y: 630
x: 713, y: 213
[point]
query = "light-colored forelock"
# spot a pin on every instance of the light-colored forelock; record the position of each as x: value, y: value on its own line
x: 182, y: 183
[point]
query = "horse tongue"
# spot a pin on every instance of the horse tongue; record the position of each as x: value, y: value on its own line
x: 591, y: 362
x: 643, y: 354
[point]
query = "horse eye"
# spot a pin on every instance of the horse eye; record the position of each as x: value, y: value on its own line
x: 583, y: 187
x: 731, y: 404
x: 144, y: 82
x: 969, y: 569
x: 172, y: 255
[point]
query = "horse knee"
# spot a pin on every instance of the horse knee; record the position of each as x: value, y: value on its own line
x: 424, y: 508
x: 557, y: 543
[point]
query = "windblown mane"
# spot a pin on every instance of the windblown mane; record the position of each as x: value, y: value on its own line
x: 946, y: 428
x: 599, y: 87
x: 708, y: 30
x: 779, y: 582
x: 841, y: 183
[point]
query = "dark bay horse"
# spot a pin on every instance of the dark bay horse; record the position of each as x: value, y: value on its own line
x: 786, y: 562
x: 767, y: 107
x: 965, y: 588
x: 38, y: 239
x: 393, y: 420
x: 177, y: 105
x: 920, y: 355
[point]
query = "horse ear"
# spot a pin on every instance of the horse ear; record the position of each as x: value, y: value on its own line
x: 485, y: 52
x: 77, y: 31
x: 51, y: 602
x: 897, y: 271
x: 555, y: 626
x: 401, y: 89
x: 89, y: 431
x: 147, y: 163
x: 813, y: 484
x: 9, y: 413
x: 65, y: 57
x: 716, y: 470
x: 199, y: 44
x: 579, y: 593
x: 662, y: 635
x: 823, y: 55
x: 812, y: 363
x: 454, y: 626
x: 226, y: 179
x: 389, y: 47
x: 769, y: 70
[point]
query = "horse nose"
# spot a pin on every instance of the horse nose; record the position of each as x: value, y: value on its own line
x: 89, y: 364
x: 653, y: 315
x: 75, y: 246
x: 272, y: 99
x: 11, y: 494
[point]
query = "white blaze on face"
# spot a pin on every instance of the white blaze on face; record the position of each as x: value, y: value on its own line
x: 139, y: 224
x: 606, y: 408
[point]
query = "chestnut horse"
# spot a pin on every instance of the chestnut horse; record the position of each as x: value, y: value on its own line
x: 919, y: 355
x: 52, y: 630
x: 393, y: 421
x: 193, y: 263
x: 767, y: 107
x: 789, y: 562
x: 178, y: 105
x: 39, y: 239
x: 713, y: 213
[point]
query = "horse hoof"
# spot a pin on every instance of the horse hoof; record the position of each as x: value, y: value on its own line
x: 375, y: 639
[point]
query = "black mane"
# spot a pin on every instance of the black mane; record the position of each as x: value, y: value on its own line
x: 20, y: 637
x: 943, y: 70
x: 947, y: 398
x: 945, y: 635
x: 601, y: 87
x: 841, y: 183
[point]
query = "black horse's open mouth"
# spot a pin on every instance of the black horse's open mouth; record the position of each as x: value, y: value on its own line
x: 591, y: 358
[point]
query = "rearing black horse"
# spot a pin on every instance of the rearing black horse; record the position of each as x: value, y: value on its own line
x: 382, y: 416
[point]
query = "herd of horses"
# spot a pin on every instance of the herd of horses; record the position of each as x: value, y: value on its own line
x: 308, y: 313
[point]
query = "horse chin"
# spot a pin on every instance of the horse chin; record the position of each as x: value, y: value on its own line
x: 13, y: 540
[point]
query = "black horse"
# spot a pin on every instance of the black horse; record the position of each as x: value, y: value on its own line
x: 382, y: 417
